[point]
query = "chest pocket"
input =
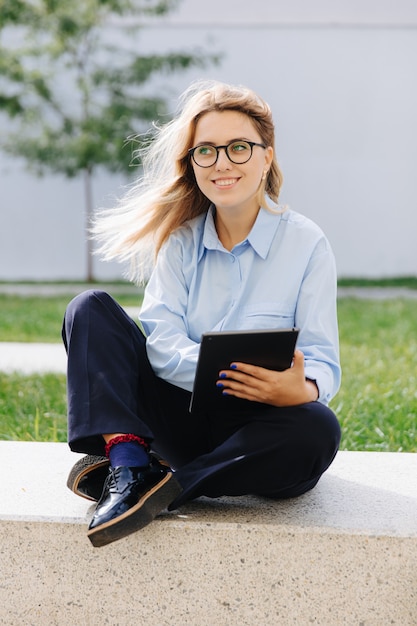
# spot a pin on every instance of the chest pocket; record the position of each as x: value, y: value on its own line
x: 266, y: 315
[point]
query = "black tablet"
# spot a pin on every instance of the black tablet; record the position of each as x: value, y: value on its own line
x: 272, y: 349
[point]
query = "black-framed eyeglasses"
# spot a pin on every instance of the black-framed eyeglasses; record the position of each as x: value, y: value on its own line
x: 237, y: 152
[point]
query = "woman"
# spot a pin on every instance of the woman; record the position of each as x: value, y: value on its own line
x: 227, y: 257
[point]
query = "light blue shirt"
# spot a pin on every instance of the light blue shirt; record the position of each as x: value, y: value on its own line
x: 282, y: 275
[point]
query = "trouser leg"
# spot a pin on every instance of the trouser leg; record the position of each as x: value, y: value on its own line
x: 105, y: 365
x: 279, y: 453
x: 111, y: 386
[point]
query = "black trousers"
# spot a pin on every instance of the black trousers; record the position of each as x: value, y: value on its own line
x: 274, y: 452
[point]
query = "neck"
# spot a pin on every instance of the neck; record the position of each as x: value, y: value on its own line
x: 232, y: 228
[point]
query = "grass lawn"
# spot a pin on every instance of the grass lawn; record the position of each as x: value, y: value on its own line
x: 33, y: 408
x: 377, y: 404
x: 39, y: 319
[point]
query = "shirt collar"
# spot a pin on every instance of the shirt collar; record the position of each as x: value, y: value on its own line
x: 260, y: 237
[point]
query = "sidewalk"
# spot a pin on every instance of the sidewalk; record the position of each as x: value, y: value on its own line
x: 72, y: 289
x: 377, y: 293
x: 48, y: 290
x: 29, y: 358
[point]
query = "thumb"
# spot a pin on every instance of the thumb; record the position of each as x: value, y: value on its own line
x: 298, y: 361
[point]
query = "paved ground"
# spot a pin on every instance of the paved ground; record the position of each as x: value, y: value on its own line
x: 47, y: 357
x: 28, y: 358
x: 377, y: 293
x: 70, y: 289
x: 47, y: 290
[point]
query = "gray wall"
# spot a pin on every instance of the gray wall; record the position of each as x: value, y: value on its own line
x: 341, y: 79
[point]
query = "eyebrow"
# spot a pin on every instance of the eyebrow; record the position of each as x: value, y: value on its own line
x: 212, y: 143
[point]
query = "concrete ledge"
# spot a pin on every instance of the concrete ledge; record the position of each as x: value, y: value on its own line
x: 346, y: 553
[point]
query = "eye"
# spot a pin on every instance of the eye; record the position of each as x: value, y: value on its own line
x: 239, y: 146
x: 205, y: 151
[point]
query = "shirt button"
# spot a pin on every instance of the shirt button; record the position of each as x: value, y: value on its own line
x: 232, y: 259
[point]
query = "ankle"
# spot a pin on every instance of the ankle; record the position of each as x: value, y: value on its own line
x: 127, y: 450
x: 112, y: 440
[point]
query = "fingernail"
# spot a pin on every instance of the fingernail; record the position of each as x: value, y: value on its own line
x: 233, y: 366
x: 220, y: 385
x: 223, y: 375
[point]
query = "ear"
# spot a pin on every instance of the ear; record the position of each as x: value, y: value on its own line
x: 269, y: 155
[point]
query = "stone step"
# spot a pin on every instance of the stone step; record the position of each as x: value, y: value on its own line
x: 345, y: 553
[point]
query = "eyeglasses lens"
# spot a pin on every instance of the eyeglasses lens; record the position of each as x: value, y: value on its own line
x: 237, y: 152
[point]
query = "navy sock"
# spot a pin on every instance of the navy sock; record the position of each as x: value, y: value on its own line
x: 128, y: 453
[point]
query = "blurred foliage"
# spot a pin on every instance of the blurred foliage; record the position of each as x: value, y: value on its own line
x: 76, y: 87
x: 72, y: 77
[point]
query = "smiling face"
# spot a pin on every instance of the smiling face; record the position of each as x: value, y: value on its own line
x: 228, y: 185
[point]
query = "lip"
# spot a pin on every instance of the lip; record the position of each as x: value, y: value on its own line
x: 225, y: 183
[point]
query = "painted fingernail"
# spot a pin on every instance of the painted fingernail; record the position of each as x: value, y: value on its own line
x: 233, y: 366
x: 223, y: 375
x: 220, y: 385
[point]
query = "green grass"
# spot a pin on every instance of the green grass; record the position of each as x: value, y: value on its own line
x: 410, y: 282
x: 377, y: 404
x: 33, y: 408
x: 32, y: 319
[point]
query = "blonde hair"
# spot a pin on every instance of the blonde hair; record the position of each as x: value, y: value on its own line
x: 166, y: 195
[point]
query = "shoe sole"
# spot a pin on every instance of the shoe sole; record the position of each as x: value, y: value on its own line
x: 97, y: 466
x: 143, y: 513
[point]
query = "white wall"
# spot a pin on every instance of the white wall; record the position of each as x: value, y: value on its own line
x: 340, y: 77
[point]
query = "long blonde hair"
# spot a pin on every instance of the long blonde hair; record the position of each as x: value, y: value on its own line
x: 166, y: 195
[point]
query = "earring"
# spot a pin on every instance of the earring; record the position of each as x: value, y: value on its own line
x: 264, y: 174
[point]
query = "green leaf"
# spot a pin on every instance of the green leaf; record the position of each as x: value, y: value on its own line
x: 11, y: 105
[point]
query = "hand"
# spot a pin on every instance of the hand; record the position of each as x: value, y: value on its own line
x: 287, y: 388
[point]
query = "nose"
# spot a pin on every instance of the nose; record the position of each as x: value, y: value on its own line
x: 223, y: 161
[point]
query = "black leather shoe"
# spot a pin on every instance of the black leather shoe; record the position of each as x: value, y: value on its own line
x: 88, y: 475
x: 131, y: 499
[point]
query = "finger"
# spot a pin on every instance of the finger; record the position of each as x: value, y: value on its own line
x: 298, y: 361
x: 247, y: 368
x: 234, y: 378
x: 237, y: 371
x: 239, y: 390
x: 247, y: 387
x: 226, y: 375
